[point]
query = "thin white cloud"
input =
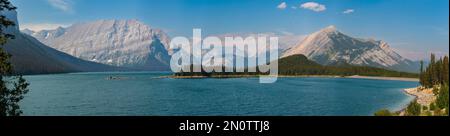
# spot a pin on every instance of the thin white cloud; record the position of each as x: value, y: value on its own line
x: 40, y: 27
x: 348, y: 11
x: 294, y: 7
x: 313, y: 6
x: 283, y: 5
x: 63, y: 5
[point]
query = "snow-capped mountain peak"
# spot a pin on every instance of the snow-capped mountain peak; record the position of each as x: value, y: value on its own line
x: 329, y: 46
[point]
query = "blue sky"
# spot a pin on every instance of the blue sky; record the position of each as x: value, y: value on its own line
x: 414, y: 27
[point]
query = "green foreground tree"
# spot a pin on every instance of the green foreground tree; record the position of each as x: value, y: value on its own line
x: 442, y: 100
x: 413, y: 109
x: 12, y: 87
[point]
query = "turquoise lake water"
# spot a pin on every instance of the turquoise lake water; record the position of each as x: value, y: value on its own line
x: 144, y: 94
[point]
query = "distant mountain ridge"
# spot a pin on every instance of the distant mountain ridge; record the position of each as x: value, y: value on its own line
x: 125, y: 43
x: 130, y: 43
x: 29, y: 56
x: 329, y: 46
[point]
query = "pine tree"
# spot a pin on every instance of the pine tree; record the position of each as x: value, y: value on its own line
x: 439, y: 72
x: 445, y: 70
x: 427, y: 78
x: 433, y: 70
x: 12, y: 88
x: 421, y: 76
x: 442, y: 100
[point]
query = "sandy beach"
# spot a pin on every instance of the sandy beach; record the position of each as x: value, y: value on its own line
x: 385, y: 78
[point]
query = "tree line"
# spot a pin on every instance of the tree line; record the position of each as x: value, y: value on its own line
x: 435, y: 76
x: 436, y: 72
x: 299, y: 65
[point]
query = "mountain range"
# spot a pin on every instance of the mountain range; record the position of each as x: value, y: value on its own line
x: 134, y: 45
x: 30, y: 56
x: 124, y: 43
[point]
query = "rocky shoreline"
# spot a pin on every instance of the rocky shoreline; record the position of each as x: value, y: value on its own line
x: 423, y: 96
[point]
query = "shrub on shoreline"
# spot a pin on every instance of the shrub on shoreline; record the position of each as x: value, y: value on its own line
x: 413, y: 109
x: 383, y: 112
